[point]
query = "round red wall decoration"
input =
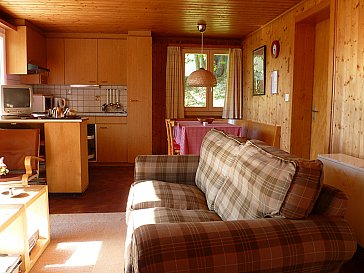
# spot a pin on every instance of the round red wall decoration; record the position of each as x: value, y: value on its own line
x: 275, y: 48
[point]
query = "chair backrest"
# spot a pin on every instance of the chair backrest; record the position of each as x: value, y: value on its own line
x: 270, y: 134
x: 169, y: 130
x: 243, y: 123
x: 16, y: 144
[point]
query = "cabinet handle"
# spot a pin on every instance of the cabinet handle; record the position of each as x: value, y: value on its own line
x: 103, y: 81
x: 134, y: 100
x: 103, y: 127
x: 92, y: 81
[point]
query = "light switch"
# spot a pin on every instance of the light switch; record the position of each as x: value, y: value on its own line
x: 286, y: 97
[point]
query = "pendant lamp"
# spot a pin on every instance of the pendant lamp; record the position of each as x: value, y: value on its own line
x: 201, y: 77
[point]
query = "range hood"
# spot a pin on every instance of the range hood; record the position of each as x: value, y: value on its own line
x: 35, y: 69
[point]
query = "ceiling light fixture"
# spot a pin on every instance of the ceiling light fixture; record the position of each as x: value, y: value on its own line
x: 201, y: 77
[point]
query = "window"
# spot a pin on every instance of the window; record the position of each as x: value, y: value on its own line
x: 201, y: 99
x: 2, y: 56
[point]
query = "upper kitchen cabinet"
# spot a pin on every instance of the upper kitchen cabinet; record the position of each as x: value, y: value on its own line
x: 80, y: 61
x: 112, y: 61
x: 24, y: 46
x: 55, y: 60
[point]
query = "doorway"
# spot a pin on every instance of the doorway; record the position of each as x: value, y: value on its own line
x: 312, y: 83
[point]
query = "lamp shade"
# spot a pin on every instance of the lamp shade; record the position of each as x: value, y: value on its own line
x: 201, y: 78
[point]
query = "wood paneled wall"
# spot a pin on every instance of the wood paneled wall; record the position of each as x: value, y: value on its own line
x: 270, y: 108
x: 347, y: 132
x: 159, y: 82
x: 348, y: 115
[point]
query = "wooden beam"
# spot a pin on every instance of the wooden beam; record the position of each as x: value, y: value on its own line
x: 7, y: 25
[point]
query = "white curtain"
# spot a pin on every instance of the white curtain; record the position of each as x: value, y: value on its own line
x: 174, y: 83
x: 234, y: 91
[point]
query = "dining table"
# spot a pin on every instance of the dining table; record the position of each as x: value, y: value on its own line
x: 189, y: 134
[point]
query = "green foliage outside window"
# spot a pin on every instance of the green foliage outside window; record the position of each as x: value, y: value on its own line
x: 196, y: 96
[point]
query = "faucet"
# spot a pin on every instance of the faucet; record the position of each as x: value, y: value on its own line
x: 104, y: 107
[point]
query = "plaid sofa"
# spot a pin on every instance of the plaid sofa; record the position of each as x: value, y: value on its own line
x: 238, y: 207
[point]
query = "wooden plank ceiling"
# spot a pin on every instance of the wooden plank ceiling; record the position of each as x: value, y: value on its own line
x: 224, y: 18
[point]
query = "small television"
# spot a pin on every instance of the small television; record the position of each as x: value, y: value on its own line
x: 16, y: 99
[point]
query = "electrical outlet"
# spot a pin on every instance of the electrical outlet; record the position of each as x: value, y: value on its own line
x: 69, y: 92
x: 97, y: 98
x: 286, y: 97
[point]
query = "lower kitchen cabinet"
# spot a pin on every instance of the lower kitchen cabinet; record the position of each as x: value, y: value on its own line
x: 112, y: 142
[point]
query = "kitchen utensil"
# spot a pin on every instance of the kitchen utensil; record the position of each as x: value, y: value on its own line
x: 118, y: 105
x: 111, y: 97
x: 59, y: 102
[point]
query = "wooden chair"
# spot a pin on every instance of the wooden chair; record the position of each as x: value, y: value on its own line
x: 20, y: 149
x: 173, y: 147
x: 270, y: 134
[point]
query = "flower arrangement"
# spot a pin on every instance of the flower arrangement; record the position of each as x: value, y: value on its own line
x: 3, y: 168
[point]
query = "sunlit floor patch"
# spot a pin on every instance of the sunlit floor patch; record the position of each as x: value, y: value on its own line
x: 82, y: 253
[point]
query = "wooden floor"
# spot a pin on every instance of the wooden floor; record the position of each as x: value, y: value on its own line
x: 108, y: 192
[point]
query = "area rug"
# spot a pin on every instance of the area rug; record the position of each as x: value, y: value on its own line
x: 84, y: 243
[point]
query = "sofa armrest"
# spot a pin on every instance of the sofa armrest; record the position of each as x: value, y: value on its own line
x: 168, y: 168
x: 262, y: 245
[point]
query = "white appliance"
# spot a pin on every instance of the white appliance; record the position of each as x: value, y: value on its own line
x: 41, y: 103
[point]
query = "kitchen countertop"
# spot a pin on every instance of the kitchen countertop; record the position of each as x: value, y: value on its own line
x: 106, y: 114
x: 79, y: 118
x: 41, y: 120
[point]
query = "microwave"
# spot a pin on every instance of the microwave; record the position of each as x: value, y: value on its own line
x: 42, y: 103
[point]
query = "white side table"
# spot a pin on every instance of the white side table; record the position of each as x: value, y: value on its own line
x: 347, y: 174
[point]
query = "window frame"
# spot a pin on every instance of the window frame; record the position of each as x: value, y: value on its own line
x: 3, y: 57
x: 209, y: 110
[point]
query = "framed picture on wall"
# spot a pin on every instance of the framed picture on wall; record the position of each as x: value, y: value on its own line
x: 259, y: 71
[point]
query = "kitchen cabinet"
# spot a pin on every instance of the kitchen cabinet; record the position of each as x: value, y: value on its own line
x: 26, y: 45
x: 55, y: 60
x: 80, y: 61
x: 111, y: 139
x: 139, y: 77
x: 34, y: 78
x: 111, y: 59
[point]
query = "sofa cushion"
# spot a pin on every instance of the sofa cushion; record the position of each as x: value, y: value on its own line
x: 256, y: 186
x: 217, y: 154
x: 154, y: 193
x: 168, y: 215
x: 142, y: 217
x: 331, y: 202
x: 305, y: 187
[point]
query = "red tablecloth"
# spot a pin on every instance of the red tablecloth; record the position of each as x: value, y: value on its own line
x: 189, y: 134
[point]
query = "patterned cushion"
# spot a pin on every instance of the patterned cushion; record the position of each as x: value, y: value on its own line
x: 217, y: 155
x: 256, y: 187
x: 305, y: 187
x: 142, y: 217
x: 331, y: 202
x: 178, y: 169
x: 168, y: 215
x: 153, y: 193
